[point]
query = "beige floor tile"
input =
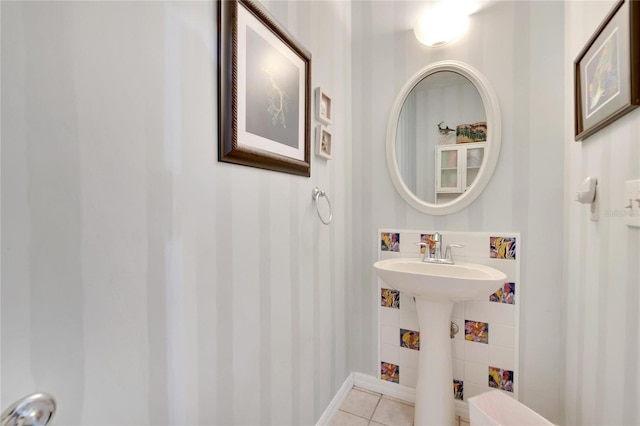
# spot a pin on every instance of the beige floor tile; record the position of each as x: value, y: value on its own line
x: 360, y: 403
x: 372, y: 423
x: 343, y: 418
x: 393, y: 413
x: 402, y: 401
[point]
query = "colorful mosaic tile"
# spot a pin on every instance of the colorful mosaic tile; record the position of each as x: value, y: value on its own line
x: 410, y: 339
x: 427, y: 239
x: 458, y: 390
x: 390, y: 298
x: 475, y: 331
x: 389, y: 372
x: 506, y: 294
x: 502, y: 247
x: 501, y: 379
x: 390, y: 241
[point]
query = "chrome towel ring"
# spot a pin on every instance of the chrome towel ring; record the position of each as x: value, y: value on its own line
x: 316, y: 193
x: 33, y: 410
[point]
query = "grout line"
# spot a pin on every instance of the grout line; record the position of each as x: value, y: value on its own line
x: 400, y: 401
x: 366, y: 391
x: 375, y: 409
x: 351, y: 414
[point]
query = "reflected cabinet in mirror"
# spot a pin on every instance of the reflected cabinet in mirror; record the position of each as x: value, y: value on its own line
x: 443, y: 137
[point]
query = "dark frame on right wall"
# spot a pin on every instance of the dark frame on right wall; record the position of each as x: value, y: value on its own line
x: 607, y: 71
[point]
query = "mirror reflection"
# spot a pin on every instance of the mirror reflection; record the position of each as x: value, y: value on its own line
x: 441, y: 137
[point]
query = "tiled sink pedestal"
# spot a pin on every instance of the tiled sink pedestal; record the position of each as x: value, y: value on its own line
x: 484, y: 353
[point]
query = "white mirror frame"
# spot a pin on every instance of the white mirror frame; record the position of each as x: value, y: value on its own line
x: 494, y: 126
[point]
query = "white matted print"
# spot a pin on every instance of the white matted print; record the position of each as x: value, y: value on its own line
x: 324, y: 106
x: 264, y: 104
x: 324, y: 142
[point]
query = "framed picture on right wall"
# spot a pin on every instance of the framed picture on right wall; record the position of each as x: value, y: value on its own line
x: 607, y: 71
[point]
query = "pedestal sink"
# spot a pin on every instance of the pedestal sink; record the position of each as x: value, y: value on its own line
x: 436, y: 287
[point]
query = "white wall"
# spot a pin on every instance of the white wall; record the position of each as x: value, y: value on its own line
x: 143, y: 282
x: 602, y: 267
x: 518, y: 46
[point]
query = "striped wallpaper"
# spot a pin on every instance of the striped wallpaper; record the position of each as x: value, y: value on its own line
x: 143, y: 282
x: 141, y: 275
x: 518, y: 47
x: 602, y: 266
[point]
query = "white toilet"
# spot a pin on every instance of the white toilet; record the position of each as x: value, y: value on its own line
x: 495, y: 408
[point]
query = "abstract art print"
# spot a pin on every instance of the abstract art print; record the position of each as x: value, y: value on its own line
x: 502, y: 248
x: 390, y: 298
x: 264, y: 102
x: 389, y: 372
x: 410, y: 339
x: 390, y: 241
x: 501, y: 379
x: 607, y: 71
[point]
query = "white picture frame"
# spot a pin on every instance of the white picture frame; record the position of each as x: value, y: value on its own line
x: 324, y: 106
x: 324, y: 142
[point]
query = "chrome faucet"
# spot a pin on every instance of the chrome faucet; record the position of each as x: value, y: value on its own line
x: 437, y: 247
x: 436, y: 239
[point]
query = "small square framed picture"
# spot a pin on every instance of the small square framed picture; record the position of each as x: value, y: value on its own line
x: 324, y: 142
x: 324, y: 106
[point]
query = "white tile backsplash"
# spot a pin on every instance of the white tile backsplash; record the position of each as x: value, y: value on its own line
x: 457, y: 348
x: 501, y: 357
x: 409, y: 320
x: 409, y: 357
x: 389, y: 335
x: 478, y: 311
x: 390, y: 354
x: 458, y: 369
x: 500, y: 335
x: 476, y: 373
x: 476, y: 351
x: 409, y: 376
x: 470, y: 359
x: 503, y: 314
x: 475, y: 244
x: 408, y: 242
x: 384, y: 255
x: 389, y: 316
x: 407, y: 304
x: 471, y: 390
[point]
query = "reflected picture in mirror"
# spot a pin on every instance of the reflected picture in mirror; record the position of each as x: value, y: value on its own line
x: 432, y: 163
x: 443, y: 137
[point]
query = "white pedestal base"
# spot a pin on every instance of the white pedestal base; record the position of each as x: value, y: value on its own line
x: 434, y: 391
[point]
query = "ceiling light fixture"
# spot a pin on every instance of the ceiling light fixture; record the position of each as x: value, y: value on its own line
x: 441, y: 24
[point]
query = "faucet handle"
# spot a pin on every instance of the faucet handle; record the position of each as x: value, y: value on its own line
x: 427, y: 249
x: 447, y: 254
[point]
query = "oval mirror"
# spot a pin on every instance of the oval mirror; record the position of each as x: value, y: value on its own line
x: 443, y: 137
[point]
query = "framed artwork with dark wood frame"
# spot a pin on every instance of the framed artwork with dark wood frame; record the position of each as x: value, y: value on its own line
x: 607, y: 71
x: 264, y: 91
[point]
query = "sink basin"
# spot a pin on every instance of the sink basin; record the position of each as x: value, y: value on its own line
x: 440, y: 282
x: 435, y: 288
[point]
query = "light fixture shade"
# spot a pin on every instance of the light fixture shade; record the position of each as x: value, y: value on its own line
x: 440, y: 26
